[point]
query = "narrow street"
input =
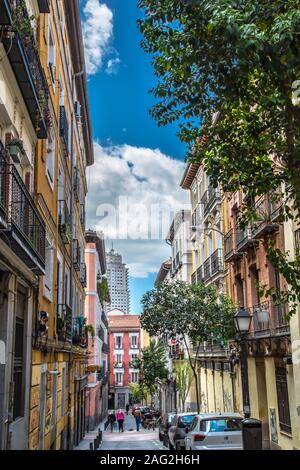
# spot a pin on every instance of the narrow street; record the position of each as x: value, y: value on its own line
x: 130, y: 439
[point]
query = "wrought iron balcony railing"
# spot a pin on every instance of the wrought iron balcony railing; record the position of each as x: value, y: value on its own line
x: 263, y: 225
x: 119, y: 365
x: 44, y: 6
x: 83, y: 278
x: 3, y: 184
x: 269, y: 320
x: 76, y: 255
x: 244, y: 238
x: 82, y: 216
x: 230, y: 248
x: 209, y: 198
x: 101, y: 333
x: 21, y: 48
x: 64, y: 128
x: 25, y: 229
x: 64, y: 322
x: 64, y: 221
x: 76, y: 183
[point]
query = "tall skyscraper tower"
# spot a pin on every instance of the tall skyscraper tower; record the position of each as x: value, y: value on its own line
x: 117, y: 276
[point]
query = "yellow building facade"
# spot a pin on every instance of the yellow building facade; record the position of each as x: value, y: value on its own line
x: 46, y: 145
x: 59, y: 357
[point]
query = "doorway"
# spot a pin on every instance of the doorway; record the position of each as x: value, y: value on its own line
x: 263, y: 402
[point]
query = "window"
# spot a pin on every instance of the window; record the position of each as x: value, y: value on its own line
x: 221, y: 425
x: 283, y: 400
x: 118, y: 342
x: 134, y: 377
x: 50, y: 161
x: 48, y: 278
x: 133, y: 341
x: 119, y: 358
x: 119, y: 378
x: 51, y: 54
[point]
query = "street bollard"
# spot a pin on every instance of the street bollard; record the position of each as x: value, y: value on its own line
x: 91, y: 446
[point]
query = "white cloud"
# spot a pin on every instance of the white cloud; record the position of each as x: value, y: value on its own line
x: 148, y: 182
x: 113, y: 66
x: 97, y: 29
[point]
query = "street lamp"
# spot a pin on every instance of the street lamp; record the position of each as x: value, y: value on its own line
x: 242, y: 322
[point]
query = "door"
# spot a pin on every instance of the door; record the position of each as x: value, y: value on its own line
x: 121, y: 400
x: 263, y: 402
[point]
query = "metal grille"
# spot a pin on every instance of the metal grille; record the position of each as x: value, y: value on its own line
x: 283, y: 400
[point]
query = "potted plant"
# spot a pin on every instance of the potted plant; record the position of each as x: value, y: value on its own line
x: 89, y: 329
x: 16, y: 150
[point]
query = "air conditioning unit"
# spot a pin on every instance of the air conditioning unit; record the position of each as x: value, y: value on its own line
x: 77, y: 107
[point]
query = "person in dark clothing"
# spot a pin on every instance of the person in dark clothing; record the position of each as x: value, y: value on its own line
x: 111, y: 420
x: 127, y: 408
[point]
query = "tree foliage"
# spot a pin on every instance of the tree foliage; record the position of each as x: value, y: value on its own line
x: 239, y: 58
x: 152, y: 365
x: 193, y: 313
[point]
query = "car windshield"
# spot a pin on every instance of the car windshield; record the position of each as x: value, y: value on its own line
x: 170, y: 418
x: 221, y: 425
x: 187, y: 419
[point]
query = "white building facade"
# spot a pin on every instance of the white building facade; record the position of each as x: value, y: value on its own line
x: 117, y: 276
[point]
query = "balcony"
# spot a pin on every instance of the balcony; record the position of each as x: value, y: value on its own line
x: 23, y: 55
x: 101, y: 333
x: 82, y: 216
x: 119, y: 365
x: 64, y: 221
x: 211, y: 267
x: 64, y: 322
x: 83, y: 279
x: 244, y: 239
x: 44, y: 6
x: 276, y: 206
x: 230, y: 249
x: 297, y: 239
x: 3, y: 202
x: 76, y: 255
x: 80, y: 337
x: 25, y: 229
x: 105, y: 348
x: 211, y: 197
x: 5, y: 13
x: 269, y: 320
x: 264, y: 225
x: 76, y: 183
x: 64, y: 128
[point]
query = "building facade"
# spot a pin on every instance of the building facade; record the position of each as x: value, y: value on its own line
x: 125, y: 340
x: 117, y: 275
x: 95, y: 312
x: 46, y: 145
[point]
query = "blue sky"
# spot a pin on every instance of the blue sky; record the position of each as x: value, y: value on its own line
x: 120, y: 76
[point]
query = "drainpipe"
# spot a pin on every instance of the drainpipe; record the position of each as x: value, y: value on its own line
x: 75, y: 75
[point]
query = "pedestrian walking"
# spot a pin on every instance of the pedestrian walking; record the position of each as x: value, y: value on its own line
x: 137, y: 416
x: 111, y: 420
x: 127, y: 408
x: 120, y: 419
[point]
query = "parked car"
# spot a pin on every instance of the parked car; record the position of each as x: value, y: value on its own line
x: 215, y: 432
x: 177, y: 430
x: 165, y: 425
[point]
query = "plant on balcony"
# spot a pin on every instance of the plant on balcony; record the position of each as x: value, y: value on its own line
x: 194, y: 311
x: 102, y: 289
x: 22, y: 22
x: 16, y: 150
x: 219, y: 64
x: 90, y: 330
